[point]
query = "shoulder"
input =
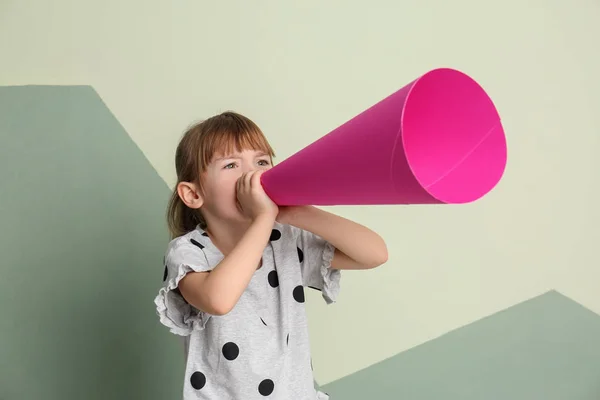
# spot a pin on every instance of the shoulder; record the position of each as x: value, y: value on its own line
x: 187, y: 248
x: 285, y: 233
x: 293, y: 234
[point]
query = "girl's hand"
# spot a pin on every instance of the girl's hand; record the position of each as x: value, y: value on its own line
x: 253, y: 202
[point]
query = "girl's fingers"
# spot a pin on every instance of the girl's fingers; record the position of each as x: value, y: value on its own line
x: 255, y: 179
x: 248, y: 179
x: 238, y: 184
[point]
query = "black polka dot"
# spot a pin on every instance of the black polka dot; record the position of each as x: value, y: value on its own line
x: 273, y: 279
x: 266, y: 387
x: 287, y: 340
x: 275, y: 235
x: 230, y: 351
x: 196, y: 243
x: 198, y: 380
x: 263, y: 321
x: 299, y: 294
x: 165, y: 274
x: 204, y: 234
x: 300, y: 255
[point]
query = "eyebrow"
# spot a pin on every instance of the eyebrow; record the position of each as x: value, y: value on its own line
x: 262, y: 154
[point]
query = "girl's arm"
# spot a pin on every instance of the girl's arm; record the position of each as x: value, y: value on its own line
x: 217, y: 292
x: 357, y: 247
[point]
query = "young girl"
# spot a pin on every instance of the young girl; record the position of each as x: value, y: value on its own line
x: 237, y: 266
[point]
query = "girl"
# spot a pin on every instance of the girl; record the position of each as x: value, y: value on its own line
x: 237, y: 265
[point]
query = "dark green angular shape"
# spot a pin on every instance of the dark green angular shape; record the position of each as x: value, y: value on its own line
x: 547, y: 348
x: 82, y: 243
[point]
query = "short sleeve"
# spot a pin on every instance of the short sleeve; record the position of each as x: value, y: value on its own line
x: 173, y: 310
x: 315, y: 255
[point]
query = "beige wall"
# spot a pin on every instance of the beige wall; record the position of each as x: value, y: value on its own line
x: 301, y: 70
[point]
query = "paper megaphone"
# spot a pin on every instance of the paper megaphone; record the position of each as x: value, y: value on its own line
x: 439, y: 139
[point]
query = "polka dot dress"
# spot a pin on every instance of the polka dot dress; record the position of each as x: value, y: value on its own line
x: 260, y: 349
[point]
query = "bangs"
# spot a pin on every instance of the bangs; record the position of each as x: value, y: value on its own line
x: 230, y: 135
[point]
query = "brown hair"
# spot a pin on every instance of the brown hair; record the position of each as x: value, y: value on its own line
x: 200, y: 143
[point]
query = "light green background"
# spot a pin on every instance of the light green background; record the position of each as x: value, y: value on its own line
x: 299, y: 70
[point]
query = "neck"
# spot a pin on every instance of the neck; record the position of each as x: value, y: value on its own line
x: 226, y: 235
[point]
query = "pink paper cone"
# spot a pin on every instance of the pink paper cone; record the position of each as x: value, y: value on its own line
x: 439, y: 139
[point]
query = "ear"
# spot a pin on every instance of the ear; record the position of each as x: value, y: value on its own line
x: 190, y: 194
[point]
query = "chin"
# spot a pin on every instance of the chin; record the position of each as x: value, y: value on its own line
x: 236, y: 217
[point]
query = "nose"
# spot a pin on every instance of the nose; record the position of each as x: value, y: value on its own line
x: 248, y: 167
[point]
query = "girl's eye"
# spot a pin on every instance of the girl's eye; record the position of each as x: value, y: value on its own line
x: 233, y: 165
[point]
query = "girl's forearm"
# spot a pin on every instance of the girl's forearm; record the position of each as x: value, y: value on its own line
x: 356, y: 241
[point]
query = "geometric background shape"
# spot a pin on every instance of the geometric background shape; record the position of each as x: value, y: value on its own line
x: 298, y: 74
x: 544, y: 348
x: 82, y: 241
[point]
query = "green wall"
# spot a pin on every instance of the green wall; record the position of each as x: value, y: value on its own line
x: 82, y: 240
x: 546, y: 348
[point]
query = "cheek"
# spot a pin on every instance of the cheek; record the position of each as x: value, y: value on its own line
x: 224, y: 188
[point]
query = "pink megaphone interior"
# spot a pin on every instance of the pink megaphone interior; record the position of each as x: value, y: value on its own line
x: 452, y: 137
